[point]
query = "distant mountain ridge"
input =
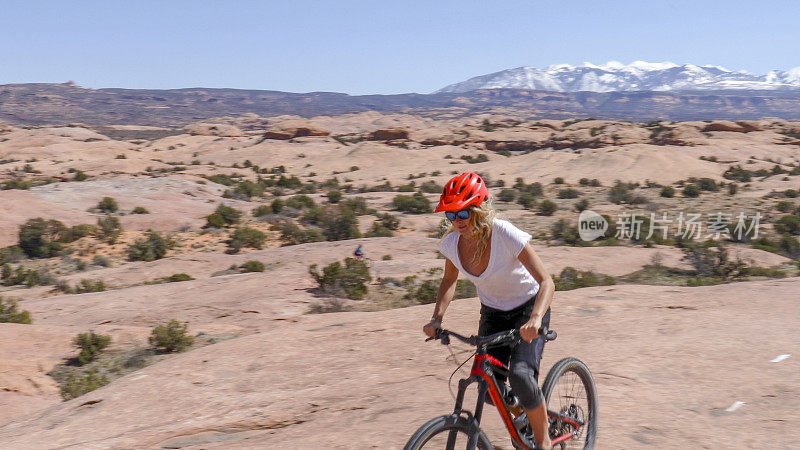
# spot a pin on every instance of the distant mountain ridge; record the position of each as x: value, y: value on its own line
x: 50, y: 104
x: 637, y: 76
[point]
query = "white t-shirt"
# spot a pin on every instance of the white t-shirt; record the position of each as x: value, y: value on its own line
x: 506, y: 283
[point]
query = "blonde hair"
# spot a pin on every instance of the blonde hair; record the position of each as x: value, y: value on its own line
x: 481, y: 219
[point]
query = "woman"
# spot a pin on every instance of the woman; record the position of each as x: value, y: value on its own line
x: 514, y: 287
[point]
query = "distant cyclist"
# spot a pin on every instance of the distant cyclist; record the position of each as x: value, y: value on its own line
x: 359, y: 254
x: 513, y: 285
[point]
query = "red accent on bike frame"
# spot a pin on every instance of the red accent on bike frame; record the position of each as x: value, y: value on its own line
x: 477, y: 370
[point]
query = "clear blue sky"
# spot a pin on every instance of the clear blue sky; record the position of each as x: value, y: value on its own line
x: 376, y: 46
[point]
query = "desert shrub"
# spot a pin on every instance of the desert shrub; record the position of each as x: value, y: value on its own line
x: 276, y: 205
x: 712, y: 260
x: 668, y: 192
x: 558, y: 180
x: 790, y: 193
x: 85, y: 286
x: 78, y: 384
x: 300, y: 202
x: 582, y: 205
x: 90, y: 344
x: 737, y: 173
x: 80, y: 176
x: 334, y: 196
x: 346, y: 280
x: 178, y: 277
x: 430, y: 187
x: 246, y: 237
x: 100, y: 260
x: 109, y: 228
x: 23, y: 276
x: 108, y: 205
x: 223, y: 216
x: 535, y: 189
x: 378, y: 230
x: 171, y: 337
x: 386, y: 258
x: 572, y: 278
x: 733, y: 188
x: 291, y: 234
x: 9, y: 312
x: 248, y: 189
x: 789, y: 224
x: 784, y: 206
x: 547, y: 207
x: 16, y: 183
x: 620, y: 193
x: 358, y: 205
x: 568, y: 193
x: 475, y: 159
x: 414, y: 204
x: 262, y: 210
x: 152, y: 247
x: 527, y: 200
x: 338, y: 223
x: 11, y: 254
x: 252, y: 266
x: 140, y: 210
x: 39, y: 238
x: 691, y: 191
x: 427, y: 291
x: 583, y: 181
x: 328, y: 305
x: 563, y: 231
x: 507, y: 195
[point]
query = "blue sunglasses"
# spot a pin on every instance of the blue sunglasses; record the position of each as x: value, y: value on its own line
x: 451, y: 215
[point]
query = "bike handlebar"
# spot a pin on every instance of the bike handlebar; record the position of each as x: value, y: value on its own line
x: 493, y: 339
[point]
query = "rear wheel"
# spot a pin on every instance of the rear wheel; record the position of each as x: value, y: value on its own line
x: 447, y: 432
x: 569, y: 389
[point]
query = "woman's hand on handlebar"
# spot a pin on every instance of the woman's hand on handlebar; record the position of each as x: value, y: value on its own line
x: 530, y: 330
x: 430, y: 328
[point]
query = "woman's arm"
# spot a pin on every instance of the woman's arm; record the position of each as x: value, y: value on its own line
x: 446, y: 292
x: 547, y: 288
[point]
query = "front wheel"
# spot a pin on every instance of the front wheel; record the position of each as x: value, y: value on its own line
x: 448, y: 432
x: 569, y: 389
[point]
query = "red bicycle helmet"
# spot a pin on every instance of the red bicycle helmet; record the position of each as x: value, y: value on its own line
x: 466, y: 189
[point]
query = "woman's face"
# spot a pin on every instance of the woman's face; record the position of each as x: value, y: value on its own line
x: 464, y: 226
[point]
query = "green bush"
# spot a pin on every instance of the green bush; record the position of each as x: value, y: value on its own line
x: 668, y: 192
x: 108, y: 205
x: 152, y: 247
x: 292, y: 234
x: 427, y: 291
x: 414, y: 204
x: 430, y: 187
x: 712, y: 260
x: 733, y: 188
x: 252, y: 266
x: 223, y: 216
x: 140, y: 210
x: 86, y: 286
x: 78, y: 384
x: 109, y: 229
x: 178, y: 277
x: 10, y: 314
x: 507, y: 195
x: 262, y: 210
x: 620, y: 193
x: 277, y: 205
x: 527, y: 200
x: 691, y: 191
x: 475, y: 159
x: 572, y: 278
x: 246, y: 237
x: 300, y: 202
x: 24, y: 276
x: 346, y: 280
x: 80, y: 176
x: 568, y: 193
x: 558, y: 180
x: 789, y: 224
x: 171, y: 337
x: 334, y: 196
x: 90, y: 344
x: 547, y: 207
x: 339, y: 223
x: 11, y: 254
x: 563, y: 231
x: 40, y: 238
x: 784, y: 206
x: 582, y: 205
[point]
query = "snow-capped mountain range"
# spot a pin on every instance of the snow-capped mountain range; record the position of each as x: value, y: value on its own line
x: 637, y: 76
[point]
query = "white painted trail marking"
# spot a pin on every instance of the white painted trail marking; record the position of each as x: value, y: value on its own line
x: 735, y: 406
x: 780, y: 358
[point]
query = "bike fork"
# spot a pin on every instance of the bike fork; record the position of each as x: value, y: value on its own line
x: 476, y: 418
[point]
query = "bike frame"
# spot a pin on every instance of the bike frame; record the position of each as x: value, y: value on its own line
x: 483, y: 369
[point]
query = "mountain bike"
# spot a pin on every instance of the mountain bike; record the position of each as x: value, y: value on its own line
x: 569, y: 391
